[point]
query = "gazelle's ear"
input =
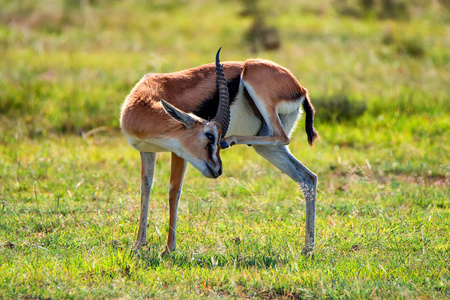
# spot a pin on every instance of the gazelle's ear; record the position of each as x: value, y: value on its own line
x: 178, y: 114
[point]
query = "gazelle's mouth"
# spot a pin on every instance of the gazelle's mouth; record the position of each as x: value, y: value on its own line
x: 212, y: 173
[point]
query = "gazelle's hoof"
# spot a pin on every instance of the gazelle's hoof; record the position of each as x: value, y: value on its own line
x: 308, y: 251
x: 224, y: 145
x: 166, y: 251
x: 136, y: 247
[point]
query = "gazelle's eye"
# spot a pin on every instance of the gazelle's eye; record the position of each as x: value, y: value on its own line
x: 210, y: 136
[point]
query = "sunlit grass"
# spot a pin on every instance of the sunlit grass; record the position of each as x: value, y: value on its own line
x: 69, y: 201
x: 73, y: 214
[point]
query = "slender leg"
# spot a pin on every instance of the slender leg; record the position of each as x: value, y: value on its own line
x: 176, y: 183
x: 148, y: 160
x: 281, y: 157
x: 272, y: 135
x: 275, y: 140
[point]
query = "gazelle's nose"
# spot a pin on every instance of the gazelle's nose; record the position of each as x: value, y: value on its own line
x: 217, y: 172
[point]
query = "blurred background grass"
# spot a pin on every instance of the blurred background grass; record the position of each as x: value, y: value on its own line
x: 67, y: 65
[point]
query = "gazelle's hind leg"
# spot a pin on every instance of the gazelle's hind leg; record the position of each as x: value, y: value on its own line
x: 176, y: 183
x: 148, y: 160
x: 271, y: 91
x: 281, y: 157
x: 274, y: 131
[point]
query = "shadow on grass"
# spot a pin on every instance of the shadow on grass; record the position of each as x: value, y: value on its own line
x: 338, y: 107
x: 151, y: 259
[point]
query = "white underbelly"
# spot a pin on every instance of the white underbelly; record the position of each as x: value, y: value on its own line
x: 242, y: 119
x: 145, y: 146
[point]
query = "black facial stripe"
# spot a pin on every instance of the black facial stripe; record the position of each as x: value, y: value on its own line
x: 210, y: 151
x: 208, y: 109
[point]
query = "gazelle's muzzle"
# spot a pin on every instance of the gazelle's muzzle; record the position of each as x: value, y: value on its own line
x: 211, y: 171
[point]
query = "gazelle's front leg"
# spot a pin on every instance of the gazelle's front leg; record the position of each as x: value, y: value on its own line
x: 281, y: 157
x: 176, y: 183
x: 148, y: 160
x: 254, y: 140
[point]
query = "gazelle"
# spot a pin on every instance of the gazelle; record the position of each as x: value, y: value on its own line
x: 196, y: 112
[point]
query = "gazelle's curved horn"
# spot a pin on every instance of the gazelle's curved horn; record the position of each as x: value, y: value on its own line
x: 222, y: 117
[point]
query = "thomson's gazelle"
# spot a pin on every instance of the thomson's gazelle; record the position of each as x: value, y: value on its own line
x: 197, y: 112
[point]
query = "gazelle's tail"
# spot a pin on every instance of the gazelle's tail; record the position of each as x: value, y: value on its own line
x: 309, y: 120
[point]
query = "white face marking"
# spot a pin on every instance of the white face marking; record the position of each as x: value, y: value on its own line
x: 215, y: 156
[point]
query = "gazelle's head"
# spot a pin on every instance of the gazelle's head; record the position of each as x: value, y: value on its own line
x: 200, y: 140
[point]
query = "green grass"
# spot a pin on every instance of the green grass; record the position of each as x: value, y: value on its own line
x: 69, y: 204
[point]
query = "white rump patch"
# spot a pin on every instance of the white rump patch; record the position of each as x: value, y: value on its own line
x: 289, y: 114
x: 288, y: 107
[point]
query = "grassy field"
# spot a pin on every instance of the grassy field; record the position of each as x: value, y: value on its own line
x: 69, y: 182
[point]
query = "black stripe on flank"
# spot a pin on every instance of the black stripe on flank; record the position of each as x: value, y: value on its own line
x: 208, y: 109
